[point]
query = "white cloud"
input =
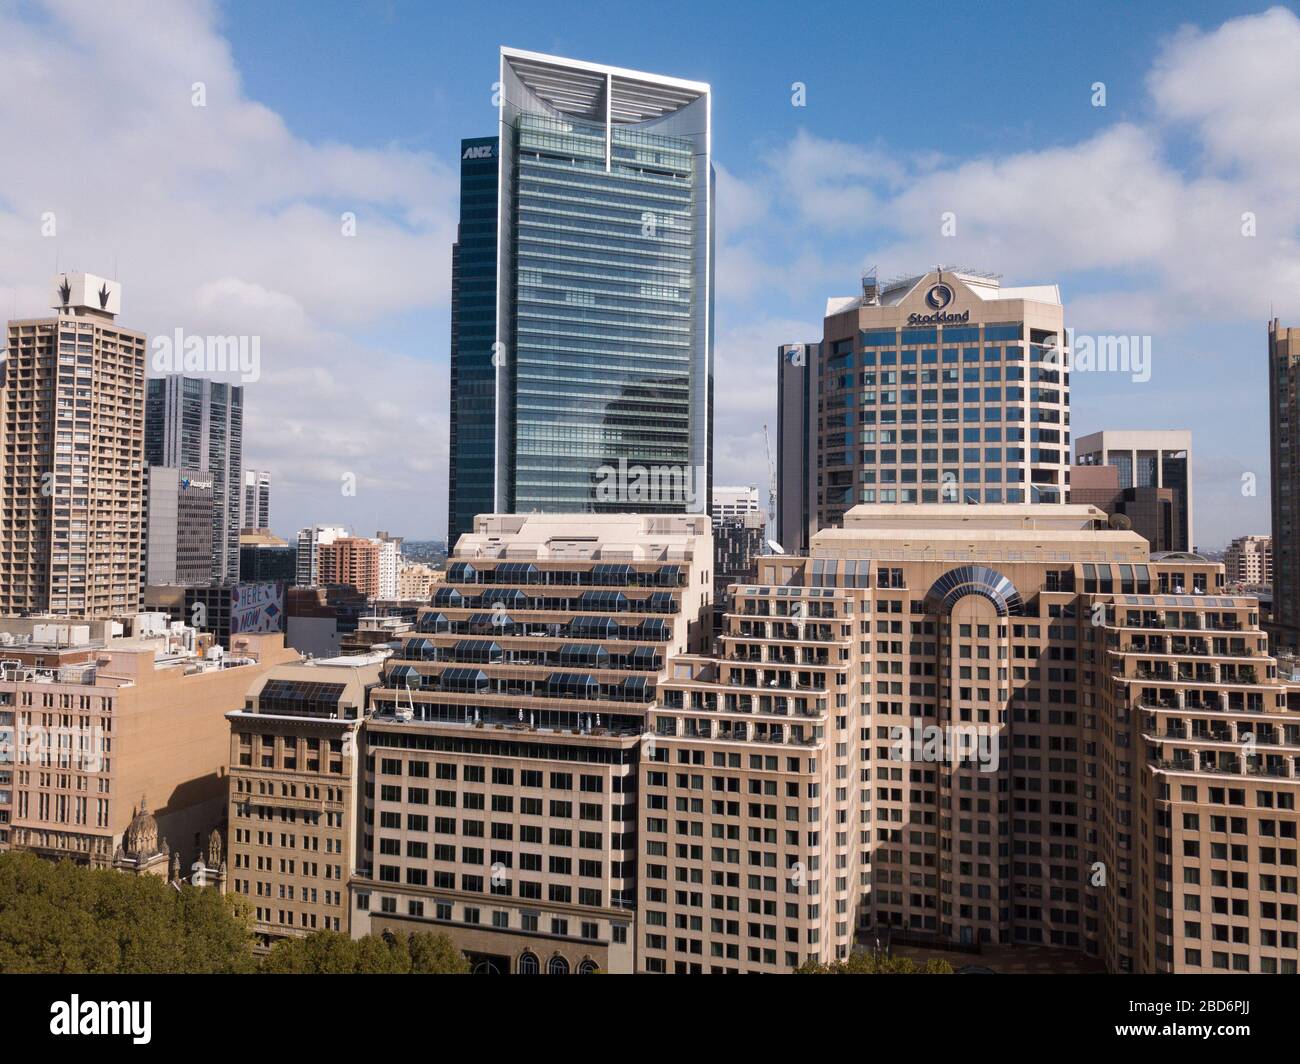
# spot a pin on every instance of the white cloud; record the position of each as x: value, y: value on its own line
x: 1154, y: 237
x: 220, y: 220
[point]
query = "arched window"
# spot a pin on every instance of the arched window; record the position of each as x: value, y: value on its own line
x: 588, y: 967
x: 557, y: 965
x: 528, y: 964
x: 485, y: 967
x: 979, y: 580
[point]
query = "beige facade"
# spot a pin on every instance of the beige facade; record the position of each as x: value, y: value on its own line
x: 417, y: 580
x: 503, y: 752
x: 978, y: 728
x: 950, y: 726
x: 295, y: 806
x: 98, y: 730
x: 1248, y: 561
x: 72, y: 411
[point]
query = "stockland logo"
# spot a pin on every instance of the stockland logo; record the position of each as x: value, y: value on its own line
x: 181, y: 353
x: 938, y: 297
x: 675, y: 485
x: 77, y: 1017
x: 1087, y: 353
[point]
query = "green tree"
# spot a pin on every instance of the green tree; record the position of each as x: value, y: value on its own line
x: 67, y: 918
x: 333, y: 953
x: 869, y: 962
x: 436, y: 955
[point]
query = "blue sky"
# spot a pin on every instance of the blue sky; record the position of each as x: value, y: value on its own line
x: 224, y: 218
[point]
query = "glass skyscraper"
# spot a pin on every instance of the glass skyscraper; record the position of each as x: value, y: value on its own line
x: 472, y: 466
x: 195, y: 423
x: 593, y: 390
x: 942, y: 387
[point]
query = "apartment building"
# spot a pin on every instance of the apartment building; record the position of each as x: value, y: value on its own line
x: 1003, y: 725
x: 295, y: 800
x: 100, y: 726
x: 502, y: 756
x: 310, y: 541
x: 352, y: 561
x: 416, y: 580
x: 72, y: 408
x: 971, y: 727
x: 255, y: 504
x: 1249, y: 561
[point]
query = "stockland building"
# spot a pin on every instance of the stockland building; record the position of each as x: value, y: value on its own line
x: 582, y: 304
x: 944, y: 387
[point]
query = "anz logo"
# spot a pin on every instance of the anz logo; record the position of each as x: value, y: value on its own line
x: 480, y: 151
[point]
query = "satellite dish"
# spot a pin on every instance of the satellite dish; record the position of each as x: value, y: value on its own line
x: 1122, y: 522
x: 775, y: 547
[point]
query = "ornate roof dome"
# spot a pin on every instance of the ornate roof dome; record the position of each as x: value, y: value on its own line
x: 142, y: 835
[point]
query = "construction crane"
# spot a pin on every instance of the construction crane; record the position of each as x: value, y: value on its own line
x: 771, y: 488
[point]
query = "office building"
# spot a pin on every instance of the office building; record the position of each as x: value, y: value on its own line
x: 263, y: 556
x: 502, y: 753
x: 72, y: 411
x: 310, y: 540
x: 738, y: 541
x: 196, y: 423
x: 1248, y: 561
x: 1154, y: 513
x: 223, y: 611
x: 1154, y: 481
x: 178, y: 526
x: 796, y: 458
x: 582, y: 371
x: 944, y: 387
x: 733, y: 502
x: 471, y: 467
x: 319, y: 620
x: 1284, y: 468
x: 256, y: 502
x: 295, y: 802
x: 102, y: 726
